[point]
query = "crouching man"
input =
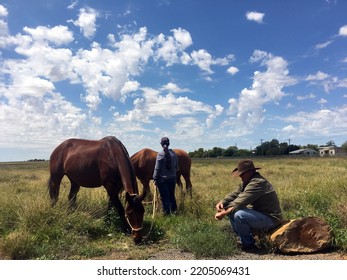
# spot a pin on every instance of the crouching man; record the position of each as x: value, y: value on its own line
x: 254, y: 205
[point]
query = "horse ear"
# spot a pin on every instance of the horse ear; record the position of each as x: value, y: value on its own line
x: 131, y: 198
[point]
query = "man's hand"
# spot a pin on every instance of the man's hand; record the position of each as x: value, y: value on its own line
x: 219, y: 206
x: 222, y: 213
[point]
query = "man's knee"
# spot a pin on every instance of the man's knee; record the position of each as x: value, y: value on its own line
x: 239, y: 216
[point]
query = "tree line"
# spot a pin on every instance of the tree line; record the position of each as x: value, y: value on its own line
x: 268, y: 148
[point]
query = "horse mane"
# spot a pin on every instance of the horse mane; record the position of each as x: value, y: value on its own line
x: 114, y: 140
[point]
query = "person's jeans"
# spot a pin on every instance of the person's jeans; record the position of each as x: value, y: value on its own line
x: 244, y: 220
x: 167, y: 193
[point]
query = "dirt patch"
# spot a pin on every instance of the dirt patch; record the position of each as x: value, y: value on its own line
x: 160, y: 252
x: 175, y: 254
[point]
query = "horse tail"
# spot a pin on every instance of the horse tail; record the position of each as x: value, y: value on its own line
x: 53, y: 191
x: 49, y: 184
x: 56, y: 172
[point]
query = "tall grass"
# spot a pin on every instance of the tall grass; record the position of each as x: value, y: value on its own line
x: 31, y: 229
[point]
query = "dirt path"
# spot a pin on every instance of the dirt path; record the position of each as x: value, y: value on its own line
x: 165, y: 253
x: 174, y: 254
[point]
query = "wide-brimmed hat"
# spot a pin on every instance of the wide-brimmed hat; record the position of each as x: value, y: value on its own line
x: 243, y: 166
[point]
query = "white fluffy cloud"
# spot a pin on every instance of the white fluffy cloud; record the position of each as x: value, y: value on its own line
x: 87, y: 22
x: 323, y: 45
x: 3, y: 23
x: 36, y: 78
x: 26, y: 121
x: 171, y: 87
x: 255, y: 16
x: 106, y: 72
x: 155, y: 104
x: 3, y: 11
x: 182, y: 37
x: 343, y: 31
x: 248, y: 110
x: 172, y: 50
x: 58, y: 35
x: 303, y: 97
x: 327, y: 81
x: 319, y: 76
x: 322, y: 122
x: 189, y: 127
x: 103, y: 72
x: 232, y: 70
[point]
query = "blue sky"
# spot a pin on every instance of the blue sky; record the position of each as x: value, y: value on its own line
x: 204, y: 73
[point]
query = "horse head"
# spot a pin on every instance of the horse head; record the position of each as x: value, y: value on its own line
x: 134, y: 212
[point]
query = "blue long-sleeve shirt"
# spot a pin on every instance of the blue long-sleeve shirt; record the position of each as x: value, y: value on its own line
x: 160, y: 169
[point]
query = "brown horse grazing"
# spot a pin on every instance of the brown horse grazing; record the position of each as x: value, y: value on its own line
x: 93, y: 164
x: 144, y: 162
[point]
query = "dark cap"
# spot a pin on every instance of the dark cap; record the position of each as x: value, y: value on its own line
x: 165, y: 141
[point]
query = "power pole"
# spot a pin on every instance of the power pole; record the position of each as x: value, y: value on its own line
x: 289, y: 146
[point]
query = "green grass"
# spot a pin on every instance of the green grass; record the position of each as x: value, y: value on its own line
x: 31, y: 229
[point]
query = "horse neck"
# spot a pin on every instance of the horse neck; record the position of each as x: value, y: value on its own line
x: 126, y: 171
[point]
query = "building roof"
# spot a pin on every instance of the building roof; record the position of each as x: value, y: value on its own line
x: 329, y: 148
x: 304, y: 151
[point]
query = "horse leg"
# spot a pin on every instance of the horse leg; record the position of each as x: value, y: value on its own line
x: 114, y: 202
x: 189, y: 186
x: 146, y: 190
x: 110, y: 212
x: 73, y: 194
x: 178, y: 179
x: 180, y: 185
x: 157, y: 198
x: 54, y: 187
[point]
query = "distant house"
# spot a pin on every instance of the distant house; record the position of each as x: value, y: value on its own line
x: 307, y: 152
x: 331, y: 151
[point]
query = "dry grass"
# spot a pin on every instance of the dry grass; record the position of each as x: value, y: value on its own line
x: 31, y: 229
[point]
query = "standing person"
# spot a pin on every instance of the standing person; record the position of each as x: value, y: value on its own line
x: 164, y: 176
x: 257, y: 192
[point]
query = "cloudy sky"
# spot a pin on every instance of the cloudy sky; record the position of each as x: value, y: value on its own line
x: 204, y: 73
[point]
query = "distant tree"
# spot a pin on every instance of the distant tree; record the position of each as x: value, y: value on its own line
x: 283, y: 148
x: 344, y: 146
x: 215, y: 152
x: 230, y: 151
x: 268, y: 148
x: 273, y: 147
x: 259, y: 150
x: 292, y: 148
x: 243, y: 153
x: 200, y: 153
x: 312, y: 146
x: 330, y: 143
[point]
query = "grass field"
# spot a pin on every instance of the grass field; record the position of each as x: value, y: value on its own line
x: 31, y: 229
